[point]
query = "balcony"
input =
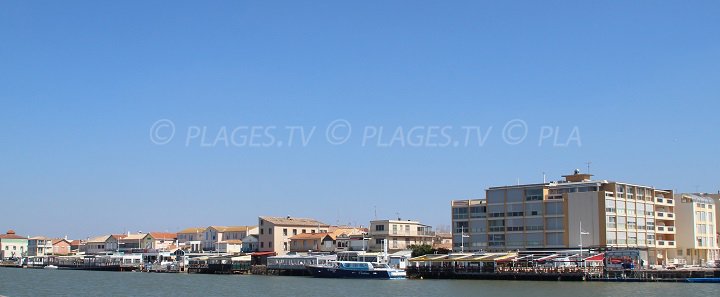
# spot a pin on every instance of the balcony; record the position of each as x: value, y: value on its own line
x: 661, y: 215
x: 664, y: 201
x: 667, y: 244
x: 665, y: 229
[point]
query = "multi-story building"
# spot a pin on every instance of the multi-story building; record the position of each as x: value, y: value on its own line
x: 12, y: 246
x: 103, y: 244
x: 212, y: 236
x: 40, y: 246
x: 549, y: 216
x: 275, y: 232
x: 191, y: 238
x: 696, y: 229
x: 400, y: 234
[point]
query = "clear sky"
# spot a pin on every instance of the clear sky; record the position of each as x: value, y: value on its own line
x: 84, y: 86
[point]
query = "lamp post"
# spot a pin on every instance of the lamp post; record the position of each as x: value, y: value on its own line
x: 462, y: 239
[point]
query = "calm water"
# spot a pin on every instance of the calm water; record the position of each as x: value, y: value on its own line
x: 38, y: 282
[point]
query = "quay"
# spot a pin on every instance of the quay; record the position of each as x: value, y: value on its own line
x: 514, y: 266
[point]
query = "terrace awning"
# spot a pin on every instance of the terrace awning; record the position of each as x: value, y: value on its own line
x: 547, y: 258
x: 597, y: 258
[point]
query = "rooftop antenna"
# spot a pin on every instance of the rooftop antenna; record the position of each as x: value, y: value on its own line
x: 544, y: 177
x: 588, y: 166
x: 518, y: 181
x: 375, y: 211
x: 398, y: 215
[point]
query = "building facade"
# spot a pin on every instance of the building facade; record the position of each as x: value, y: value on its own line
x: 275, y: 232
x: 550, y: 215
x: 696, y: 229
x: 61, y: 247
x: 12, y: 246
x: 40, y: 246
x: 400, y: 234
x: 212, y: 236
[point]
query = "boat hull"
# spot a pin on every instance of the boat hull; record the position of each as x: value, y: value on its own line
x: 331, y: 272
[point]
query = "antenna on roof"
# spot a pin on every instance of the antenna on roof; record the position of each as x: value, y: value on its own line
x: 588, y: 166
x: 544, y: 177
x: 375, y: 212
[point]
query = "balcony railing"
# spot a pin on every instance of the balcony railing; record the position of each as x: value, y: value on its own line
x: 664, y: 215
x: 665, y: 229
x: 665, y: 243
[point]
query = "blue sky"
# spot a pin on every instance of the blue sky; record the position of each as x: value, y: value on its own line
x: 82, y: 83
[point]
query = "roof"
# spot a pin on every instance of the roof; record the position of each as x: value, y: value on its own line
x: 192, y: 230
x: 136, y: 236
x: 102, y: 238
x: 11, y: 236
x: 38, y: 238
x: 76, y: 242
x: 163, y: 235
x: 291, y: 221
x: 58, y: 240
x: 233, y: 228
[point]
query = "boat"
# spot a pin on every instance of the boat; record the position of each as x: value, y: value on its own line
x: 50, y: 267
x: 355, y: 269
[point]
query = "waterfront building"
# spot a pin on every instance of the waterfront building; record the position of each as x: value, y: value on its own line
x: 214, y: 235
x: 102, y: 244
x: 77, y: 246
x: 61, y: 247
x: 312, y: 242
x: 613, y: 215
x: 137, y: 242
x: 190, y: 239
x: 39, y: 246
x: 163, y: 241
x: 275, y: 232
x: 696, y: 229
x: 442, y: 240
x: 351, y: 239
x: 190, y: 234
x: 250, y: 243
x: 400, y: 234
x: 12, y: 246
x: 232, y: 246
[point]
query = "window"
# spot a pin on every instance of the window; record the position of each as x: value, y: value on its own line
x: 379, y: 227
x: 303, y: 231
x: 285, y: 246
x: 270, y: 230
x: 284, y: 231
x: 262, y: 244
x: 294, y: 231
x: 262, y: 231
x: 270, y: 244
x: 378, y: 241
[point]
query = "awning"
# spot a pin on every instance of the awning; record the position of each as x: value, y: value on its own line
x: 546, y: 258
x: 597, y: 258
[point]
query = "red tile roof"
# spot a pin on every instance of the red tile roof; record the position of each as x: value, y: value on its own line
x: 163, y: 235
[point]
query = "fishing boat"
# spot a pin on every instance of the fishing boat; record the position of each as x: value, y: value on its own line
x: 353, y: 269
x: 50, y: 267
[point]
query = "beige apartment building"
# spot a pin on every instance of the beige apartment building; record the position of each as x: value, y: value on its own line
x: 696, y: 229
x: 549, y: 215
x: 275, y: 232
x: 400, y: 234
x: 213, y: 236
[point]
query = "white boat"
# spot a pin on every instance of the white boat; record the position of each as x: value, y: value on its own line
x: 50, y: 267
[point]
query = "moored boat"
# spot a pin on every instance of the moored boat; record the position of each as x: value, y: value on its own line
x: 353, y: 269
